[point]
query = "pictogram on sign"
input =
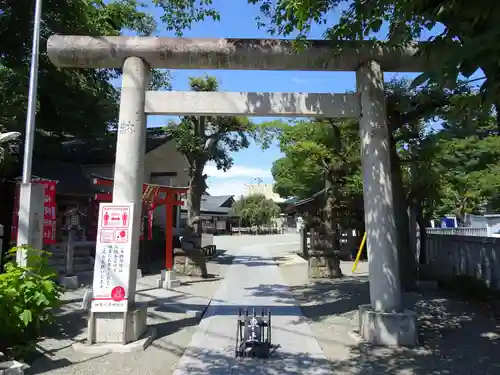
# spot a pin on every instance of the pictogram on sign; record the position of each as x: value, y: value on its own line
x: 115, y: 217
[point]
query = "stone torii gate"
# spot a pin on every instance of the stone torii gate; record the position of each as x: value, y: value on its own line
x: 383, y: 321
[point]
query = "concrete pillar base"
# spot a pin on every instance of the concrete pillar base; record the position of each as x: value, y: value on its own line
x: 121, y: 328
x: 144, y: 341
x: 388, y: 329
x: 12, y: 368
x: 168, y: 280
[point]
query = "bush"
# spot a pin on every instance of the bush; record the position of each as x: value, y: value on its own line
x: 27, y: 298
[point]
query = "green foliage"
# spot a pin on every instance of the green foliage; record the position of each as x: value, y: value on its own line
x: 80, y: 102
x: 316, y: 150
x: 27, y: 297
x: 204, y: 139
x: 179, y: 15
x: 467, y: 42
x: 451, y: 169
x: 209, y: 138
x: 256, y: 210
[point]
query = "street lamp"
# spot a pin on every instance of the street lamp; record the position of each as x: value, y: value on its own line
x: 9, y: 136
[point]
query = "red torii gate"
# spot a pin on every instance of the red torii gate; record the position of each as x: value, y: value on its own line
x: 154, y: 196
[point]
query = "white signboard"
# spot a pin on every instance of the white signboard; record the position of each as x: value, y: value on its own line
x: 112, y: 258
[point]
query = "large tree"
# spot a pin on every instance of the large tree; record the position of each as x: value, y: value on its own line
x: 80, y: 102
x: 316, y: 151
x: 207, y: 138
x: 256, y: 210
x: 323, y: 154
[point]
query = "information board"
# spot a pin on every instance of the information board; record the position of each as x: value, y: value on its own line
x: 112, y: 259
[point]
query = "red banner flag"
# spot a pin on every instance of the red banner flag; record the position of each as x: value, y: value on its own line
x: 49, y: 212
x: 15, y: 214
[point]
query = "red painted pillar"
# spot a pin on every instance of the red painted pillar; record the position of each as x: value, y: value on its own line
x: 169, y: 263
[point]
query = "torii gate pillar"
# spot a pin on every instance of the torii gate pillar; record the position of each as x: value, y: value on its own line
x: 383, y: 321
x: 119, y: 328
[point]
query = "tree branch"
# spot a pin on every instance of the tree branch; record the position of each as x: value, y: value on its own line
x: 422, y: 109
x: 212, y: 141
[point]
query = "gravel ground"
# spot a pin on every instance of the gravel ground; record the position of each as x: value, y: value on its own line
x: 455, y: 337
x: 174, y: 332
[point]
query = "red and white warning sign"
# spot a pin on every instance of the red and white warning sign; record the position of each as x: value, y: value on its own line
x: 115, y: 216
x: 112, y: 259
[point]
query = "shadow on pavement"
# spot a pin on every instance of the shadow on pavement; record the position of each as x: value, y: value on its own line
x: 455, y: 337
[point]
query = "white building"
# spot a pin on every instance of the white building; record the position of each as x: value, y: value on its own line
x: 264, y: 189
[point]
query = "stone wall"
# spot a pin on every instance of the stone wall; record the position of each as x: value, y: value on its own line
x: 449, y: 255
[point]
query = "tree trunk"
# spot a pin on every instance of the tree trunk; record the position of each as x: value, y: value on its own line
x: 197, y: 184
x: 195, y: 192
x: 407, y: 266
x: 331, y: 233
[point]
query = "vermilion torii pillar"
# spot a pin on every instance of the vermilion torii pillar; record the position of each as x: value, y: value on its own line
x: 384, y: 321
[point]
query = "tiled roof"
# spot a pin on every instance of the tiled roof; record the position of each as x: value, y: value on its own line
x: 70, y: 177
x: 213, y: 204
x: 104, y: 150
x: 68, y: 170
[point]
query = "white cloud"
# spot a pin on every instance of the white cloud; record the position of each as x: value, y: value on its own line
x: 237, y: 171
x: 300, y: 81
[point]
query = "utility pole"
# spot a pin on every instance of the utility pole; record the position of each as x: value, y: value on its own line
x: 32, y: 95
x: 30, y: 226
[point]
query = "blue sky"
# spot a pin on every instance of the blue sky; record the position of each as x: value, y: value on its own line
x: 238, y: 21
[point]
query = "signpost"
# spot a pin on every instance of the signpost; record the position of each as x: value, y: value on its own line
x: 112, y: 261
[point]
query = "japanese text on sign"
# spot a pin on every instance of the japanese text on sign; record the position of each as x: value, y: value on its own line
x: 112, y: 261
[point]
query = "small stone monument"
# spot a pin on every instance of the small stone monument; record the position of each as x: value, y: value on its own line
x: 324, y: 261
x: 189, y: 260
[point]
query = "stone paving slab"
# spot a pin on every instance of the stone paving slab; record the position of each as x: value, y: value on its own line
x: 251, y: 282
x: 174, y: 330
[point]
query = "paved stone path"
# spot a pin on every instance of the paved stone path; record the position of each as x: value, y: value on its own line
x: 250, y: 282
